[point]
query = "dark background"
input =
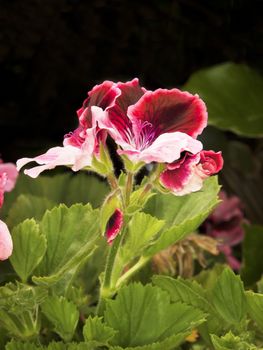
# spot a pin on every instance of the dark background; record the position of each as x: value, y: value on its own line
x: 53, y: 51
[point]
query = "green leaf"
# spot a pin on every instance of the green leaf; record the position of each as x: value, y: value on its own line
x: 191, y: 293
x: 26, y: 207
x: 231, y: 342
x: 18, y: 345
x: 80, y: 346
x: 233, y: 95
x: 56, y: 346
x: 63, y: 314
x: 255, y: 307
x: 229, y: 298
x: 182, y: 214
x: 29, y: 248
x: 144, y: 315
x: 252, y: 267
x: 141, y: 231
x: 97, y: 332
x: 71, y: 234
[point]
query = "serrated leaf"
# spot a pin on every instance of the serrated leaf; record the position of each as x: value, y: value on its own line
x: 29, y: 248
x: 252, y: 266
x: 71, y: 234
x: 228, y: 297
x: 169, y: 343
x: 97, y: 332
x: 80, y: 346
x: 232, y: 93
x: 26, y: 207
x: 182, y: 214
x: 144, y: 315
x: 56, y: 346
x: 255, y: 307
x: 18, y: 345
x: 63, y: 314
x: 231, y: 342
x: 141, y: 231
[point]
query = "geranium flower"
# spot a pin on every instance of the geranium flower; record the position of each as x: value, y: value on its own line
x: 8, y: 176
x: 82, y: 144
x: 187, y: 174
x: 225, y: 225
x: 154, y: 126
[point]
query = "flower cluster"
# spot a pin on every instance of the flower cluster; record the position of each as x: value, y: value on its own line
x: 159, y: 127
x: 8, y: 176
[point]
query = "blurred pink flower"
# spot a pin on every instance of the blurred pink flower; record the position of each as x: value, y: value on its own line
x: 187, y: 174
x: 8, y: 176
x: 225, y: 225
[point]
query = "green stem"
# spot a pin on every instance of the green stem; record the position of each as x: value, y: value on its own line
x: 128, y: 188
x: 127, y: 275
x: 113, y: 182
x: 106, y: 289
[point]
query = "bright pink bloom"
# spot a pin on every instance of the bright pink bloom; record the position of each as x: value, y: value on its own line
x: 187, y: 174
x: 6, y: 245
x: 82, y: 144
x: 114, y: 225
x: 154, y: 126
x: 225, y: 225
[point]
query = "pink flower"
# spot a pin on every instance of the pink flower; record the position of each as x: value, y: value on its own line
x: 8, y: 176
x: 154, y: 126
x: 82, y: 144
x: 225, y: 225
x: 6, y: 244
x: 114, y: 225
x: 187, y: 174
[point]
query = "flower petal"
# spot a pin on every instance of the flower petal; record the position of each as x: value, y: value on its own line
x: 6, y: 244
x: 11, y: 172
x: 67, y: 155
x: 114, y: 225
x: 169, y: 111
x: 165, y: 149
x: 130, y: 94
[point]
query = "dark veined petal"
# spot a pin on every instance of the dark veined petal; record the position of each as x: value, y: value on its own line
x: 131, y: 92
x: 114, y: 225
x: 169, y: 111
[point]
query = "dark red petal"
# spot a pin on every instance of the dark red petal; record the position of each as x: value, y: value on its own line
x: 170, y: 111
x: 102, y: 96
x: 212, y: 162
x: 176, y: 178
x: 131, y: 92
x: 114, y: 225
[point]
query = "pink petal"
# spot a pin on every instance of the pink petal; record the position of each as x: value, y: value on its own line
x: 6, y: 244
x: 165, y: 149
x: 12, y: 173
x: 212, y: 162
x: 114, y: 225
x: 55, y: 156
x: 230, y: 258
x: 169, y: 111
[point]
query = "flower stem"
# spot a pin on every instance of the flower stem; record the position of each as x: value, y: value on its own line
x: 128, y: 187
x: 140, y: 263
x: 113, y: 182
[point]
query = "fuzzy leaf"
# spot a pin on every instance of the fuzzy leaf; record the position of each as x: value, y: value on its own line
x: 144, y: 315
x: 228, y: 297
x: 233, y: 95
x: 71, y: 234
x: 182, y: 214
x: 18, y: 345
x: 231, y: 342
x: 63, y: 314
x: 255, y: 307
x: 56, y: 346
x: 29, y: 248
x: 141, y: 230
x: 97, y: 332
x: 26, y: 207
